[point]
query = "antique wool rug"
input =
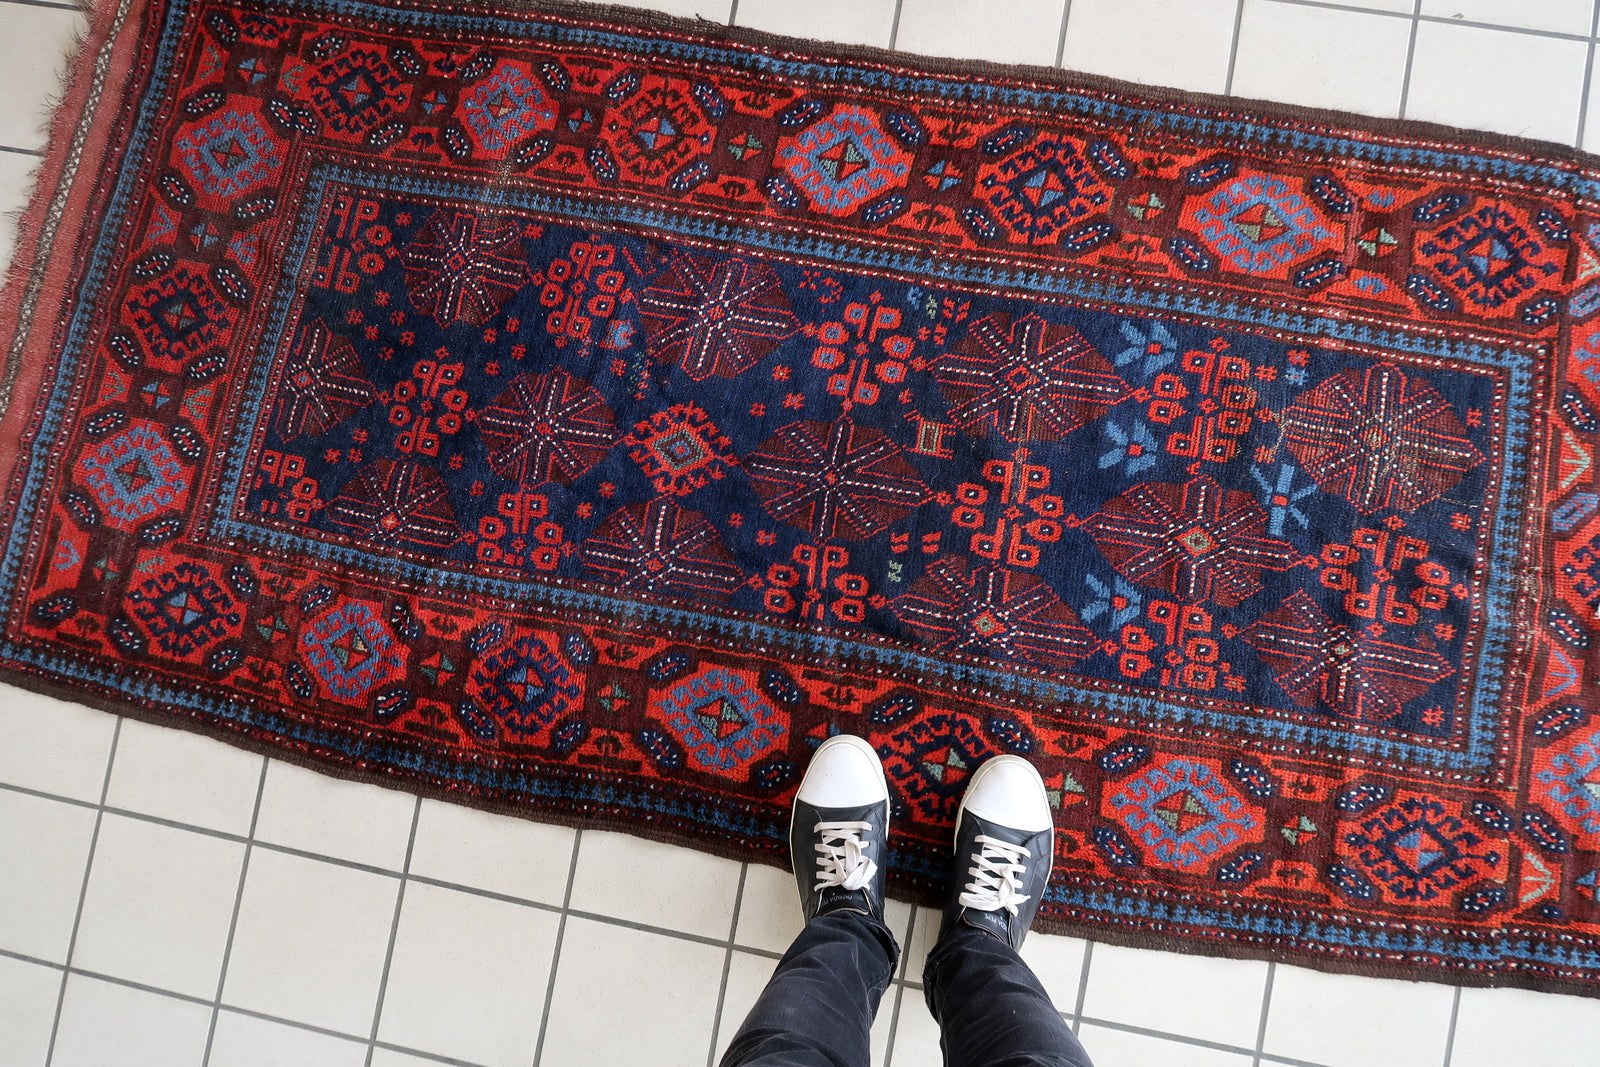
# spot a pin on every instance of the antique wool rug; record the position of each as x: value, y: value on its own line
x: 582, y: 414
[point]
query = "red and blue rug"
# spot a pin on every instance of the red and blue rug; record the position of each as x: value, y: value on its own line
x: 584, y: 414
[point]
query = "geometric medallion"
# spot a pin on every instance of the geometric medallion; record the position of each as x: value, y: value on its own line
x: 1379, y: 439
x: 844, y: 159
x: 722, y: 719
x: 133, y: 475
x: 351, y: 650
x: 1183, y: 812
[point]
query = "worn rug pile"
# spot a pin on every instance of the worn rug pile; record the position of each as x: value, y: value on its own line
x: 583, y: 414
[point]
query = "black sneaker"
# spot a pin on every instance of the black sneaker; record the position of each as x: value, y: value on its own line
x: 1004, y: 849
x: 839, y: 833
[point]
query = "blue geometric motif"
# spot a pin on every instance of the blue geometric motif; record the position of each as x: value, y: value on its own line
x: 504, y: 108
x: 1183, y: 812
x: 721, y: 719
x: 230, y: 155
x: 133, y: 475
x: 1573, y: 781
x: 843, y: 159
x: 351, y: 650
x: 1258, y: 224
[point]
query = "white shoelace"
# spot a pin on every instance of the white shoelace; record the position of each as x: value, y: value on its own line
x: 997, y: 877
x: 842, y: 856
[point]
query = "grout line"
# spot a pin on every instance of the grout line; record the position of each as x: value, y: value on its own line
x: 561, y: 931
x: 1061, y: 38
x: 1233, y: 49
x: 434, y: 1056
x: 894, y: 1026
x: 1443, y: 20
x: 1083, y: 985
x: 233, y: 922
x: 899, y: 988
x: 911, y: 936
x: 14, y: 150
x: 394, y: 931
x: 1450, y: 1035
x: 894, y: 27
x: 83, y: 893
x: 1266, y: 1007
x: 727, y: 966
x: 384, y: 872
x: 1196, y: 1042
x: 1411, y: 55
x: 1588, y: 75
x: 733, y: 11
x: 22, y: 957
x: 189, y: 998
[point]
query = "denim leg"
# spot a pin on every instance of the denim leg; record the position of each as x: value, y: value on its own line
x: 818, y: 1007
x: 992, y: 1011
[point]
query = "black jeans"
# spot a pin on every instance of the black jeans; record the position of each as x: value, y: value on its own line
x: 818, y: 1008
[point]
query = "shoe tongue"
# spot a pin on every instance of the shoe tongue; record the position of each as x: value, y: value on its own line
x: 997, y: 923
x: 835, y: 897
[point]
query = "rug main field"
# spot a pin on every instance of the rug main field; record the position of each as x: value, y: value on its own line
x: 585, y: 414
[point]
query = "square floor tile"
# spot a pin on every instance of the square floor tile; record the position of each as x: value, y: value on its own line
x: 44, y: 849
x: 352, y: 821
x: 52, y: 746
x: 1003, y: 31
x: 245, y: 1041
x: 1320, y: 57
x: 1196, y: 996
x: 1402, y: 1023
x: 310, y: 942
x: 1514, y: 83
x: 666, y: 886
x: 28, y: 993
x: 664, y: 987
x: 1058, y: 964
x: 173, y: 774
x: 494, y: 852
x: 1497, y: 1027
x: 158, y: 906
x: 1181, y: 43
x: 845, y: 21
x: 34, y: 42
x: 769, y: 911
x: 1557, y: 16
x: 916, y: 1035
x: 103, y: 1023
x: 747, y: 977
x: 1118, y: 1048
x: 455, y: 955
x: 16, y: 184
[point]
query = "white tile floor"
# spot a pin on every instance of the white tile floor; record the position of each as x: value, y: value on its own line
x: 165, y: 900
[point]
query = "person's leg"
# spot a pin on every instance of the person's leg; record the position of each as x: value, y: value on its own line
x: 818, y: 1007
x: 991, y: 1009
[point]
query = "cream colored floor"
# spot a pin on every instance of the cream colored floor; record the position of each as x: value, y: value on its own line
x: 168, y: 901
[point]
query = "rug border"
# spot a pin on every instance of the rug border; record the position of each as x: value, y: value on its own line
x: 116, y: 25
